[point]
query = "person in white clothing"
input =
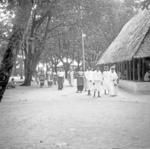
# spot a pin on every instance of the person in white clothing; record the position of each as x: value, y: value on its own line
x: 71, y: 77
x: 97, y: 83
x: 113, y: 79
x: 106, y: 80
x: 89, y: 77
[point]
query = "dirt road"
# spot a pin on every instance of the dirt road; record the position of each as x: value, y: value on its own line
x: 45, y: 118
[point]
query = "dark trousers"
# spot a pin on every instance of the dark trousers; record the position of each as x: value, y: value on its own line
x: 60, y: 83
x: 41, y: 83
x: 80, y: 88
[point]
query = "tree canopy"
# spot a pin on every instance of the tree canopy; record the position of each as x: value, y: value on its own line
x: 51, y: 29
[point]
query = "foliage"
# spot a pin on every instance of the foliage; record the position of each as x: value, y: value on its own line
x: 55, y: 29
x: 145, y: 4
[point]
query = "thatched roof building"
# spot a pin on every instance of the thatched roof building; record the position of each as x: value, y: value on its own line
x: 132, y: 42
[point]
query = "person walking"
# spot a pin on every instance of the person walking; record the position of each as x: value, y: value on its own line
x: 42, y: 79
x: 89, y: 77
x: 71, y: 77
x: 106, y: 80
x: 97, y: 84
x: 50, y: 78
x: 61, y: 77
x: 113, y: 81
x: 80, y: 81
x: 54, y: 78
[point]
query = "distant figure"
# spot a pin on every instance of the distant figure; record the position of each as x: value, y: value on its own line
x: 50, y: 78
x: 54, y: 78
x: 106, y: 80
x: 119, y: 76
x: 147, y: 76
x: 89, y: 78
x: 61, y: 78
x: 42, y: 79
x: 11, y: 84
x: 97, y: 83
x: 113, y: 81
x: 71, y: 77
x: 80, y: 81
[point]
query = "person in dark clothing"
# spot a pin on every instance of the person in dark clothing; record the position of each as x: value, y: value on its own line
x: 42, y: 79
x: 80, y: 81
x: 61, y: 77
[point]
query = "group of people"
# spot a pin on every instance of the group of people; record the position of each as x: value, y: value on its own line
x: 97, y: 83
x: 51, y: 78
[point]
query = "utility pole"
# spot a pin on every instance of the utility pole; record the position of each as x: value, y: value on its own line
x: 83, y: 36
x: 83, y: 51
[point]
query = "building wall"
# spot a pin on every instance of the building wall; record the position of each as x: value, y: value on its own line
x: 135, y: 86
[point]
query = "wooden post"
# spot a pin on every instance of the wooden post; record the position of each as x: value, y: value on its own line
x: 143, y: 68
x: 133, y: 68
x: 129, y: 68
x: 126, y: 70
x: 122, y: 69
x: 122, y: 66
x: 117, y: 68
x: 139, y: 69
x: 127, y: 63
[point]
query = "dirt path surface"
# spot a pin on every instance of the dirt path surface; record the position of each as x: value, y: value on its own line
x: 45, y: 118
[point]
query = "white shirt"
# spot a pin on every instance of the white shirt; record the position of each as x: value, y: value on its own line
x: 89, y: 75
x: 97, y: 75
x: 113, y: 76
x: 61, y: 74
x: 106, y: 75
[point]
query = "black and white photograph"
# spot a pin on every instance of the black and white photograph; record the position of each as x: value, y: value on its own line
x: 74, y: 74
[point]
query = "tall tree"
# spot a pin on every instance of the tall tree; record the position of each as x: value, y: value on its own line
x: 22, y: 14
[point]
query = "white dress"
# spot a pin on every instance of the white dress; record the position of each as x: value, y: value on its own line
x: 89, y: 76
x: 106, y: 81
x: 72, y: 78
x: 97, y: 76
x: 113, y: 83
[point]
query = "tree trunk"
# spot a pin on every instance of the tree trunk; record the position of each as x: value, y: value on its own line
x: 8, y: 59
x: 28, y: 72
x: 30, y: 64
x: 21, y: 19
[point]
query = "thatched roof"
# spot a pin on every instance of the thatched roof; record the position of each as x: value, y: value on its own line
x: 144, y: 49
x: 131, y: 42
